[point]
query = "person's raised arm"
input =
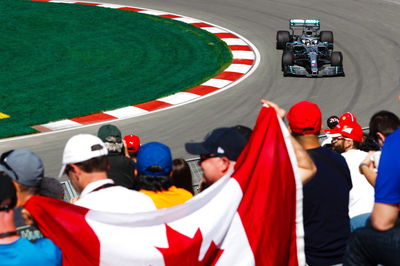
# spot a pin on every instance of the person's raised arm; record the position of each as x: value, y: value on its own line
x: 367, y: 168
x: 307, y: 168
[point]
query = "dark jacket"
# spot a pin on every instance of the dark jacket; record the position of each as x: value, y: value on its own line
x: 122, y: 170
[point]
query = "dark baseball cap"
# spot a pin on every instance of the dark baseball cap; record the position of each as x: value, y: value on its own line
x: 109, y: 133
x: 224, y: 142
x: 24, y: 166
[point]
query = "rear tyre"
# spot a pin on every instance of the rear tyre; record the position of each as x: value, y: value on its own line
x: 282, y: 37
x: 336, y: 59
x: 326, y: 36
x: 287, y: 60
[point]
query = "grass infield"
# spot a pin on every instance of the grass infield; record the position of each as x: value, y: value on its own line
x: 60, y: 60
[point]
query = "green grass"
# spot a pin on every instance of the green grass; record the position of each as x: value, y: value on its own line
x: 60, y: 60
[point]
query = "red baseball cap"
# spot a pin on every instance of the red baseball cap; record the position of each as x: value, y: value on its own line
x: 132, y: 143
x: 352, y: 131
x: 305, y: 118
x: 347, y: 118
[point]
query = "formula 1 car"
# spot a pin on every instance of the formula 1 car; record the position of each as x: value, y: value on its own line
x: 309, y: 53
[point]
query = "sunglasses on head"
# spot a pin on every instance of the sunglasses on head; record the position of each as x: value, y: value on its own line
x: 3, y: 161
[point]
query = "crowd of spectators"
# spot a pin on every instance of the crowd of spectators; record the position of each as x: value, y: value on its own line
x: 350, y: 209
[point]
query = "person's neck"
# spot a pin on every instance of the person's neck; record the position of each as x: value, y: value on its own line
x: 308, y: 141
x: 7, y: 225
x: 92, y: 177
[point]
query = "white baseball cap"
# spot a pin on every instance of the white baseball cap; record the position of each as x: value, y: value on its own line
x: 80, y: 148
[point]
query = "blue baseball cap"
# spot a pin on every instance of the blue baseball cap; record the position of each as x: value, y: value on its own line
x: 154, y: 159
x: 24, y: 166
x: 223, y: 142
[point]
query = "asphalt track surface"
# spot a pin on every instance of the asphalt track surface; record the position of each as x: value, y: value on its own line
x: 366, y: 31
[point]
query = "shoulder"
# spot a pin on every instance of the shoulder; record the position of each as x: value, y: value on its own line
x: 322, y: 153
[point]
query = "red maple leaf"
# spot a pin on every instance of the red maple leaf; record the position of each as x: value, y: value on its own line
x: 183, y: 250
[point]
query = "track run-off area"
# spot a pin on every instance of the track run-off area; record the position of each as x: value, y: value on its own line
x: 366, y: 32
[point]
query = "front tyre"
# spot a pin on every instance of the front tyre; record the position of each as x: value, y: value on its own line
x: 326, y: 36
x: 282, y: 37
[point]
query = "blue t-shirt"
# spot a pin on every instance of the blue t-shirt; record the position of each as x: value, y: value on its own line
x: 42, y: 252
x: 387, y: 186
x: 326, y: 208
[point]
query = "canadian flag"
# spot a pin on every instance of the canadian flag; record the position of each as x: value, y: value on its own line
x: 253, y: 216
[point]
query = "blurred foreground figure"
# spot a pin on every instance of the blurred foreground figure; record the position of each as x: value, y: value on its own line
x: 326, y: 195
x: 15, y: 250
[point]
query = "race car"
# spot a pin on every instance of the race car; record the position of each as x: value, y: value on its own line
x: 310, y: 52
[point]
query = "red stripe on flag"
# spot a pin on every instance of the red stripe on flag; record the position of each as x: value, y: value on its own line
x: 152, y: 105
x: 268, y: 208
x: 202, y: 90
x: 243, y: 61
x: 87, y: 4
x: 226, y: 35
x: 240, y: 48
x: 170, y: 16
x: 87, y: 119
x: 131, y: 9
x: 57, y: 219
x: 201, y: 25
x: 232, y: 76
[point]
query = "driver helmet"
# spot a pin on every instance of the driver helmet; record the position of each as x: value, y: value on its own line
x: 308, y: 31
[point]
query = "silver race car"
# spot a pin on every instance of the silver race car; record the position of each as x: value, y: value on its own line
x: 307, y: 51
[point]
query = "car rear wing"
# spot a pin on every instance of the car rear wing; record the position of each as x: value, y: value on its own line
x: 315, y: 23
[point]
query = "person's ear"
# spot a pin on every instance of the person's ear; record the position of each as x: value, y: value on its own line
x: 225, y: 162
x: 381, y: 138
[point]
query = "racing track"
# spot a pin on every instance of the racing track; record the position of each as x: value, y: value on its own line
x: 366, y: 31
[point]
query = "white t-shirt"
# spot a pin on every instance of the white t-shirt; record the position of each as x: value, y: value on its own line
x: 114, y: 199
x: 362, y: 194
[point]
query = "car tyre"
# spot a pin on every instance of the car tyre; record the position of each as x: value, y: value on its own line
x: 282, y: 37
x: 336, y: 59
x: 287, y: 60
x: 326, y: 36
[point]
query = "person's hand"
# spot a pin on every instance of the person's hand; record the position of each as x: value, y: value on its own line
x: 281, y: 113
x: 367, y: 162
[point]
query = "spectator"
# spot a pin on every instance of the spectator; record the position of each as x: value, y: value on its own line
x: 326, y: 195
x: 331, y: 122
x: 181, y: 175
x: 85, y: 162
x: 362, y: 193
x: 27, y: 171
x: 132, y: 145
x: 381, y: 125
x: 379, y: 241
x: 121, y: 169
x: 218, y: 153
x: 15, y: 250
x: 154, y: 165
